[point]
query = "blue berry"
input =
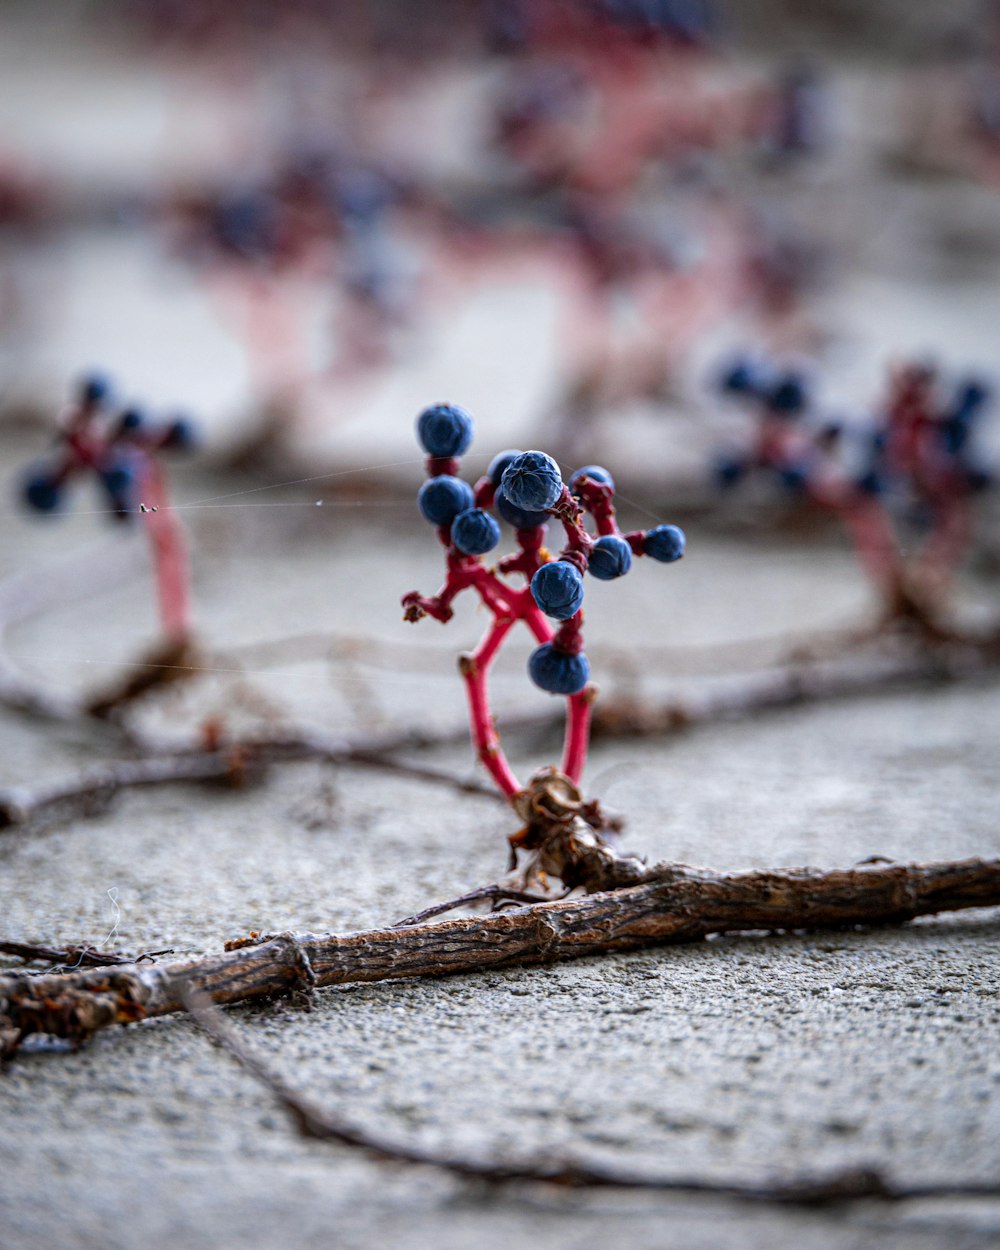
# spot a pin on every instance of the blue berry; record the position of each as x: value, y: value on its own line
x: 557, y: 588
x: 362, y: 195
x: 444, y: 430
x: 248, y: 224
x: 499, y: 463
x: 532, y: 481
x: 664, y: 543
x: 788, y: 396
x: 593, y: 471
x: 794, y: 477
x: 180, y: 434
x: 957, y: 423
x: 871, y: 483
x: 830, y: 434
x: 119, y: 482
x: 42, y: 493
x: 475, y: 532
x: 610, y: 558
x: 972, y: 394
x: 441, y: 499
x: 94, y: 389
x: 955, y: 432
x: 556, y: 671
x: 520, y: 518
x: 118, y: 477
x: 743, y: 377
x: 131, y: 419
x: 729, y: 470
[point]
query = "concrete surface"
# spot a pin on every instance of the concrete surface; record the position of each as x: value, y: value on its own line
x: 749, y: 1058
x: 746, y: 1058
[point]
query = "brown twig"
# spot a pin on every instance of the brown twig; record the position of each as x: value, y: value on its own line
x: 77, y: 955
x: 93, y: 790
x: 385, y: 761
x: 234, y: 763
x: 739, y: 697
x: 795, y: 684
x: 312, y: 1121
x: 494, y: 893
x: 670, y: 904
x: 166, y: 663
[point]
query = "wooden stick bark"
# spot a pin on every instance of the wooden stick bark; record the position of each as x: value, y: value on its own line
x: 671, y: 903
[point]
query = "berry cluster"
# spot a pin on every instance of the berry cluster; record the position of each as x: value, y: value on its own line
x: 119, y: 447
x: 526, y: 490
x: 115, y: 447
x: 902, y: 482
x: 924, y: 443
x: 780, y: 400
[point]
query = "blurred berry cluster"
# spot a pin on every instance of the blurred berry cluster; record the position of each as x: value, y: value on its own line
x: 921, y: 444
x: 115, y: 444
x: 903, y: 479
x: 779, y: 399
x: 925, y: 441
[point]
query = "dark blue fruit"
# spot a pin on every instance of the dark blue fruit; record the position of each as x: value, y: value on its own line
x: 556, y: 671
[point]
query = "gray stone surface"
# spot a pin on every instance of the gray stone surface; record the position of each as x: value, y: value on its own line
x: 745, y: 1058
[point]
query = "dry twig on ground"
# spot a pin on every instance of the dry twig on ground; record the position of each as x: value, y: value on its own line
x: 75, y: 955
x: 313, y: 1121
x: 236, y: 763
x: 738, y: 697
x: 666, y: 903
x: 796, y: 683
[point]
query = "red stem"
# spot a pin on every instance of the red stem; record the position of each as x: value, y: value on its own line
x: 578, y: 711
x: 170, y: 557
x: 949, y: 538
x: 475, y: 669
x: 533, y: 617
x: 871, y: 533
x: 508, y: 606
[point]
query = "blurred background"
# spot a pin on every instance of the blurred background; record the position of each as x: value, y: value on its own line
x: 301, y: 222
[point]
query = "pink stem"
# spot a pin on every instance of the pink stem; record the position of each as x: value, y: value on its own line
x: 475, y: 669
x: 949, y: 538
x: 578, y: 710
x: 170, y: 557
x: 535, y: 620
x: 873, y: 541
x: 508, y: 606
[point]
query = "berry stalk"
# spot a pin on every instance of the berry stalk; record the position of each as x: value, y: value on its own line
x: 121, y: 451
x: 526, y: 490
x: 168, y: 547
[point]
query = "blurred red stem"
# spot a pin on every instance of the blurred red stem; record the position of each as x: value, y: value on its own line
x: 170, y: 557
